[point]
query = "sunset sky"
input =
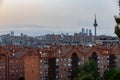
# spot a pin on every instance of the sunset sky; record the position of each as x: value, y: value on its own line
x: 37, y: 17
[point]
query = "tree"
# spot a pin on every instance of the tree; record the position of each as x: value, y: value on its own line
x: 117, y: 76
x: 88, y: 71
x: 117, y: 29
x: 84, y: 76
x: 112, y: 74
x: 109, y: 74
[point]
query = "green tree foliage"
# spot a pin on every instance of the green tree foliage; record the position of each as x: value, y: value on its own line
x: 84, y: 76
x: 112, y: 74
x: 109, y: 74
x: 117, y: 31
x: 117, y: 76
x: 88, y: 71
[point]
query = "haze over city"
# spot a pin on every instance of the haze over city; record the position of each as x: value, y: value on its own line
x: 59, y: 39
x: 36, y: 17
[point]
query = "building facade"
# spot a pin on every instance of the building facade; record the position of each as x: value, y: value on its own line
x: 54, y: 62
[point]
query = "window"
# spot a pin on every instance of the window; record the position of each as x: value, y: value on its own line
x: 98, y: 57
x: 46, y: 72
x: 107, y: 56
x: 57, y: 66
x: 40, y: 77
x: 46, y: 67
x: 32, y: 65
x: 69, y: 60
x: 101, y: 62
x: 61, y: 75
x: 45, y: 61
x: 64, y: 64
x: 57, y: 77
x: 16, y: 70
x: 11, y: 70
x: 101, y: 66
x: 69, y: 65
x: 79, y: 63
x: 40, y: 72
x: 59, y: 51
x: 45, y: 78
x: 78, y: 59
x: 64, y: 59
x: 61, y: 59
x: 83, y: 58
x: 11, y: 61
x: 16, y: 61
x: 3, y: 76
x: 98, y: 61
x: 21, y: 70
x: 57, y: 60
x: 40, y: 66
x: 69, y: 69
x: 40, y: 61
x: 12, y: 76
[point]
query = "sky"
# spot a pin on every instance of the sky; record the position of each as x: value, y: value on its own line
x: 38, y: 17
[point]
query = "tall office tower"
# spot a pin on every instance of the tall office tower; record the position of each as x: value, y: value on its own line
x: 83, y: 30
x: 12, y: 33
x: 87, y: 32
x: 90, y: 32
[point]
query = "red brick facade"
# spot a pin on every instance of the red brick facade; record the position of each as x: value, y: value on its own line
x: 55, y: 62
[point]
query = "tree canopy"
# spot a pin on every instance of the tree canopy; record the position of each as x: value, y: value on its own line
x: 112, y: 74
x: 117, y: 31
x: 109, y: 74
x: 117, y: 28
x: 88, y: 71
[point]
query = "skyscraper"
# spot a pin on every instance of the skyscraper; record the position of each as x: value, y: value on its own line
x: 83, y: 30
x: 87, y: 32
x: 90, y: 32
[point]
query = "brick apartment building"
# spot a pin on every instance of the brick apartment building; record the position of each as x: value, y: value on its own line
x: 11, y: 63
x: 31, y: 64
x: 61, y: 63
x: 54, y: 62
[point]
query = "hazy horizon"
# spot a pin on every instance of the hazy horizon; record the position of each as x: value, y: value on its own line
x: 37, y: 17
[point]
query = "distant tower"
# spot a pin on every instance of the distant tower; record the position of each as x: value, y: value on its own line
x: 12, y: 33
x: 83, y: 30
x: 95, y: 24
x: 87, y: 32
x: 90, y: 32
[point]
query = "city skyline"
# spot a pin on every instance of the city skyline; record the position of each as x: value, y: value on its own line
x: 36, y: 17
